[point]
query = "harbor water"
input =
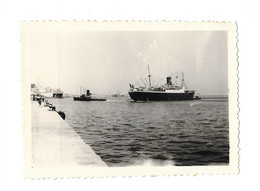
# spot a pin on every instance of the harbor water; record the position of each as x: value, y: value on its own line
x: 123, y: 132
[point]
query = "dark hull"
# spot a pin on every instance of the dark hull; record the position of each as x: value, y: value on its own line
x: 160, y: 96
x: 88, y: 99
x: 57, y: 95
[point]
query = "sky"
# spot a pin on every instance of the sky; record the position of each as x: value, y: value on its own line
x: 107, y: 61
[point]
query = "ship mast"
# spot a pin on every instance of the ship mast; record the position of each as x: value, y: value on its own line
x: 182, y: 79
x: 183, y: 83
x: 149, y: 76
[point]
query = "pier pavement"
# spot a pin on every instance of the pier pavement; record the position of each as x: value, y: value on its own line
x: 56, y: 144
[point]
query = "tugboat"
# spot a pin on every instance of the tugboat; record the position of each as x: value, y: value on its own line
x: 167, y: 92
x: 87, y: 97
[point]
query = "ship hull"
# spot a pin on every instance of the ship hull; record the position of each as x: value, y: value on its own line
x: 160, y: 96
x: 57, y: 95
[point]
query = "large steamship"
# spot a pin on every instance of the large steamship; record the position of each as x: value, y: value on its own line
x: 168, y: 92
x: 47, y: 92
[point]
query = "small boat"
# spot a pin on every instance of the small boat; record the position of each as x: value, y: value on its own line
x: 197, y: 97
x: 87, y: 97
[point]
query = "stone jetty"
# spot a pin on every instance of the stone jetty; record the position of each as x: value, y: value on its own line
x: 56, y: 144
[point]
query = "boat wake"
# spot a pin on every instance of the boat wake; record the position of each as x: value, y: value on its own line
x: 195, y: 103
x: 154, y: 162
x: 113, y: 100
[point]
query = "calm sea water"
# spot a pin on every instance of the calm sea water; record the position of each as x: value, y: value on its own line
x: 123, y: 132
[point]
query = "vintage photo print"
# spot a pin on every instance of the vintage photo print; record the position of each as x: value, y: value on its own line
x: 129, y: 98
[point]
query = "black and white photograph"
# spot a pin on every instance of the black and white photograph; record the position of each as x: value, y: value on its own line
x: 130, y: 96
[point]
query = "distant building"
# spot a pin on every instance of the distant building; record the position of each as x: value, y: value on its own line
x: 32, y: 86
x: 46, y: 91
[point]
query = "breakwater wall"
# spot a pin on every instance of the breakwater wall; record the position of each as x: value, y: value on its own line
x: 56, y: 144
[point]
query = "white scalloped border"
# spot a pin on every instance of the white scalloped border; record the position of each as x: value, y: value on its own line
x: 232, y: 168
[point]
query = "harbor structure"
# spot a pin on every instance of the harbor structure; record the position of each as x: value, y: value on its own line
x: 55, y: 144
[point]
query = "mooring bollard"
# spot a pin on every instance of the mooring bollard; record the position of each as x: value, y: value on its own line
x: 62, y: 114
x: 53, y: 108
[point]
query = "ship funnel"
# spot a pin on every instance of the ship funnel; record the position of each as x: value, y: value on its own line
x: 169, y: 80
x: 88, y: 92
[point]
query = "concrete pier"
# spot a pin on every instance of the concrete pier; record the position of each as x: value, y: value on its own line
x: 56, y: 144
